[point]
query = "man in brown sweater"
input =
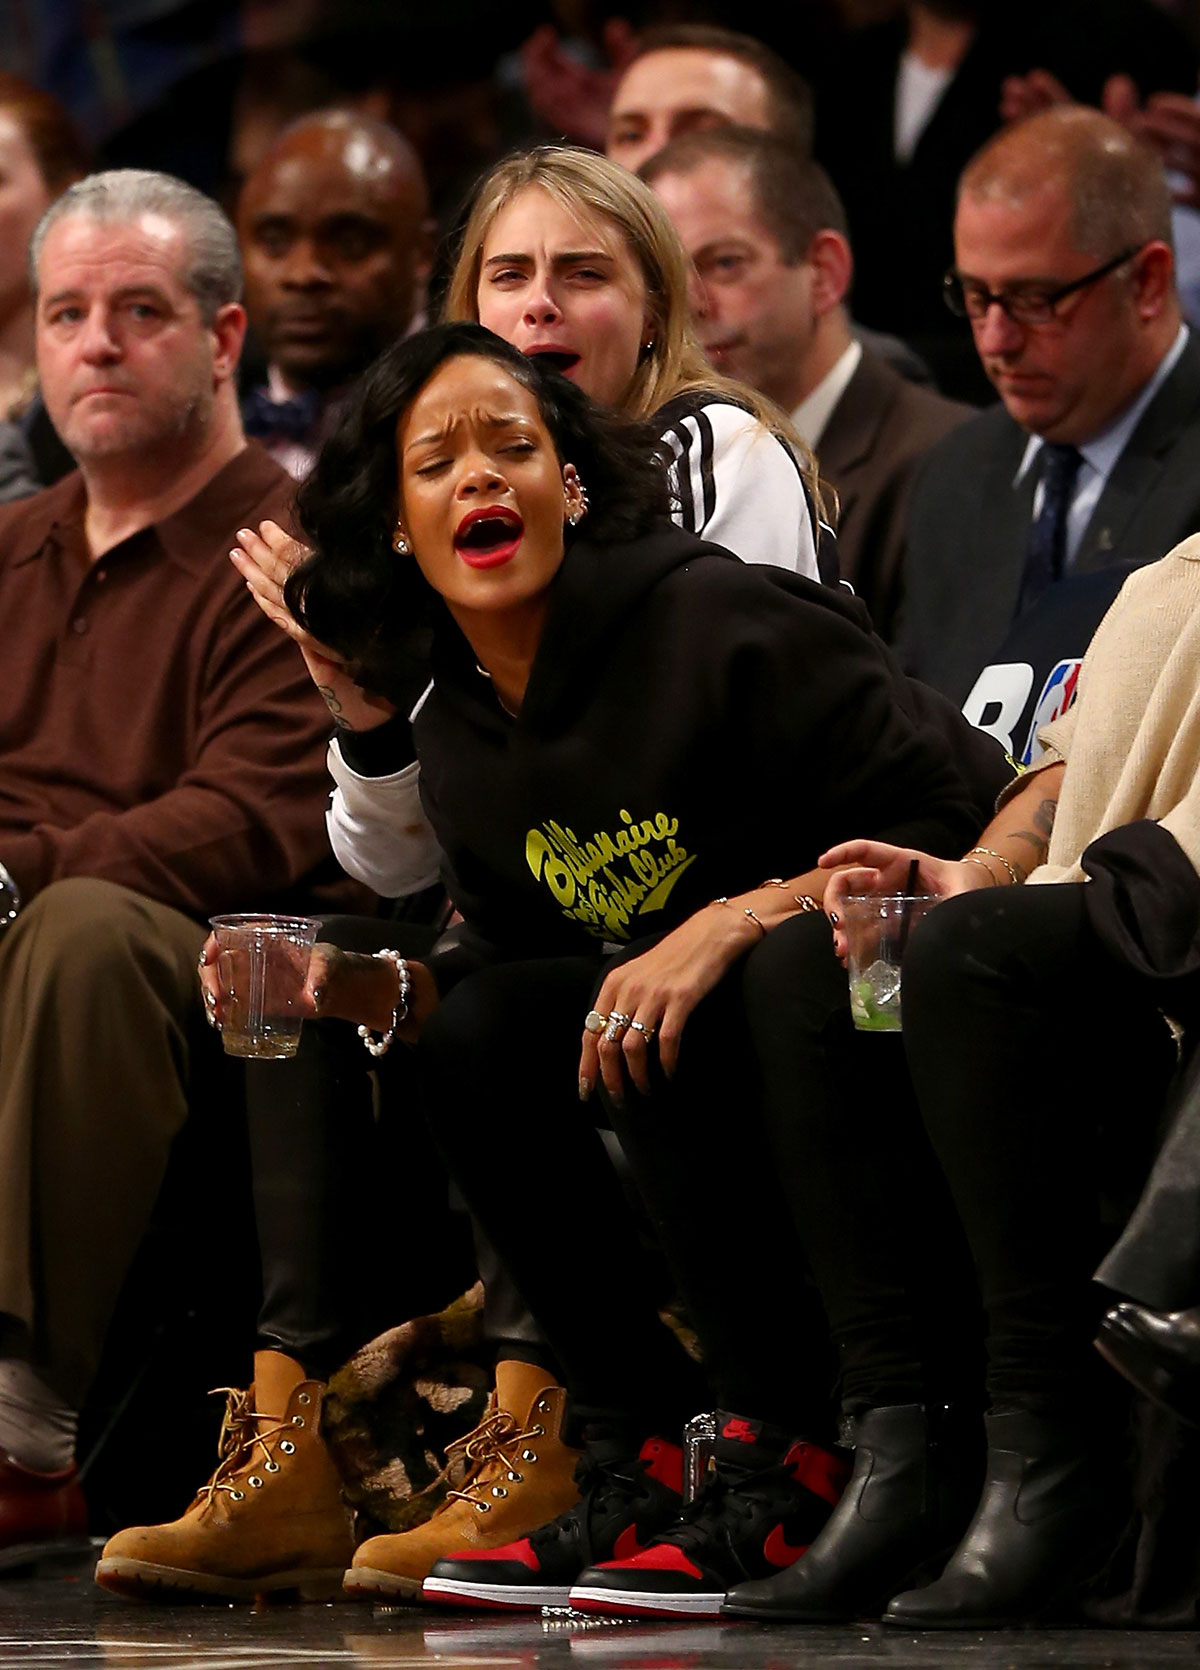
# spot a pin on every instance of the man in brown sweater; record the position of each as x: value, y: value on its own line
x: 161, y: 758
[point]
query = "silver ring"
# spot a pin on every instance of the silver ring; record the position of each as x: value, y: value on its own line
x: 647, y: 1032
x: 616, y: 1025
x: 594, y: 1021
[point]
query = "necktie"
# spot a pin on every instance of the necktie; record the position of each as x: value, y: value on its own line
x: 1047, y: 543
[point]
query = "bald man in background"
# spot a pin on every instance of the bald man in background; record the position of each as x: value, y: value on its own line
x: 336, y: 242
x: 1032, y: 512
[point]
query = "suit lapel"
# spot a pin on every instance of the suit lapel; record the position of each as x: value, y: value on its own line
x: 852, y: 432
x: 1005, y: 512
x: 1137, y: 470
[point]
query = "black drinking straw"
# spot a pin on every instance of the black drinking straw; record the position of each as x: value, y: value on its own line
x: 910, y: 883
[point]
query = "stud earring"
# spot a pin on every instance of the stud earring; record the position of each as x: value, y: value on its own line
x: 400, y: 544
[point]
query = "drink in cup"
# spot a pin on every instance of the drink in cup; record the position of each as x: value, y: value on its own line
x: 877, y: 929
x: 263, y: 964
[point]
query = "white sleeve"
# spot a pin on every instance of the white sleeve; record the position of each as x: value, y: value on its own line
x: 378, y: 829
x: 736, y: 483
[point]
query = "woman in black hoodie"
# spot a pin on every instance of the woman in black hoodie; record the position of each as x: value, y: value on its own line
x: 632, y: 753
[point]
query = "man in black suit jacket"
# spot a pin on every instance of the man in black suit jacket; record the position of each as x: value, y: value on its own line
x: 766, y: 234
x: 1064, y: 267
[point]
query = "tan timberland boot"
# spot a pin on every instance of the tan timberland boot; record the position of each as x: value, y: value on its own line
x: 512, y: 1474
x: 270, y: 1519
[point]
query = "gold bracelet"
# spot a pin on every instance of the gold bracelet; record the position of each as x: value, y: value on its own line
x: 746, y: 911
x: 1000, y: 859
x: 983, y: 866
x: 804, y: 900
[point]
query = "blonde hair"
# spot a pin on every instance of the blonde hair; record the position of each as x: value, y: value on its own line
x: 674, y: 363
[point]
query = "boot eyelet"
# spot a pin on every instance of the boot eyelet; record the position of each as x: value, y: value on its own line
x: 297, y: 1420
x: 484, y: 1507
x: 539, y: 1432
x: 543, y: 1407
x: 516, y: 1478
x: 237, y: 1495
x: 271, y: 1467
x: 499, y: 1490
x: 254, y: 1481
x: 304, y: 1398
x: 528, y: 1455
x: 288, y: 1447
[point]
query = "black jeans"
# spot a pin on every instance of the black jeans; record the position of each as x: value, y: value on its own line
x: 354, y: 1222
x: 1041, y: 1066
x: 537, y: 1178
x: 863, y: 1189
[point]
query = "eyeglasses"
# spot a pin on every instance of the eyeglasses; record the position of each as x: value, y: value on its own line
x: 1025, y: 304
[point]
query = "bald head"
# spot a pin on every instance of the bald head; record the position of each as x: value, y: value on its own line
x: 1067, y: 210
x: 336, y: 242
x: 1114, y: 184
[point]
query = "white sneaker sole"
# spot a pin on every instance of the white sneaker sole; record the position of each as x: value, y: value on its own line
x: 503, y: 1596
x: 637, y: 1603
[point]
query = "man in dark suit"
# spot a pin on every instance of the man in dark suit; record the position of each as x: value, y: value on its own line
x: 1064, y: 268
x: 767, y: 237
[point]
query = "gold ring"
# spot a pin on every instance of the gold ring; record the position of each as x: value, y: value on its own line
x: 594, y: 1021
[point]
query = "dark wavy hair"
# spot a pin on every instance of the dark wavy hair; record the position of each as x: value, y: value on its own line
x: 376, y: 609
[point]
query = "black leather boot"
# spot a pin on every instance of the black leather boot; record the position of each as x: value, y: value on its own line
x: 1158, y: 1352
x: 1042, y: 1524
x: 915, y: 1481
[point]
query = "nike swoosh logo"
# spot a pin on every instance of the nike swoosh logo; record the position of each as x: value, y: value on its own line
x: 779, y: 1550
x: 627, y: 1544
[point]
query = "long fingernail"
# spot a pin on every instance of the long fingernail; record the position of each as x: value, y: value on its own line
x: 585, y: 1089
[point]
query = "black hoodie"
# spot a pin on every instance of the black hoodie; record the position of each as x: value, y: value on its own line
x: 691, y: 726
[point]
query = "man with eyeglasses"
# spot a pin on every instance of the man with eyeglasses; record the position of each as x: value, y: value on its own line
x: 1027, y: 518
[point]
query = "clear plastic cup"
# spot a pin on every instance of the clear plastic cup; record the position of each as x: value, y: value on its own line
x: 263, y: 964
x: 877, y: 929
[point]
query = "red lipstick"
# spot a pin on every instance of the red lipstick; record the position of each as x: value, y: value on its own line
x: 488, y: 536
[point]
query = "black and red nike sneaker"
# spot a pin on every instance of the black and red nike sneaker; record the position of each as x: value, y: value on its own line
x: 765, y: 1498
x: 624, y: 1501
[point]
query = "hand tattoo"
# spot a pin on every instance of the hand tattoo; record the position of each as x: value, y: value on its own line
x: 334, y: 706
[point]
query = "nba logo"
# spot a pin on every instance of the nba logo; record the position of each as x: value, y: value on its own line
x: 1058, y: 693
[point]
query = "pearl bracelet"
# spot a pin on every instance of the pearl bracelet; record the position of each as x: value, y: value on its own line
x: 382, y: 1044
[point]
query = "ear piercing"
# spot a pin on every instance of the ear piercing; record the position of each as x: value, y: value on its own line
x: 400, y: 543
x: 580, y: 509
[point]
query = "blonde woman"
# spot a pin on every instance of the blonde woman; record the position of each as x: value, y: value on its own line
x: 568, y: 256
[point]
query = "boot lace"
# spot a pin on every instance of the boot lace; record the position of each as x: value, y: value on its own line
x: 725, y: 1505
x: 238, y: 1439
x: 495, y: 1444
x: 604, y: 1486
